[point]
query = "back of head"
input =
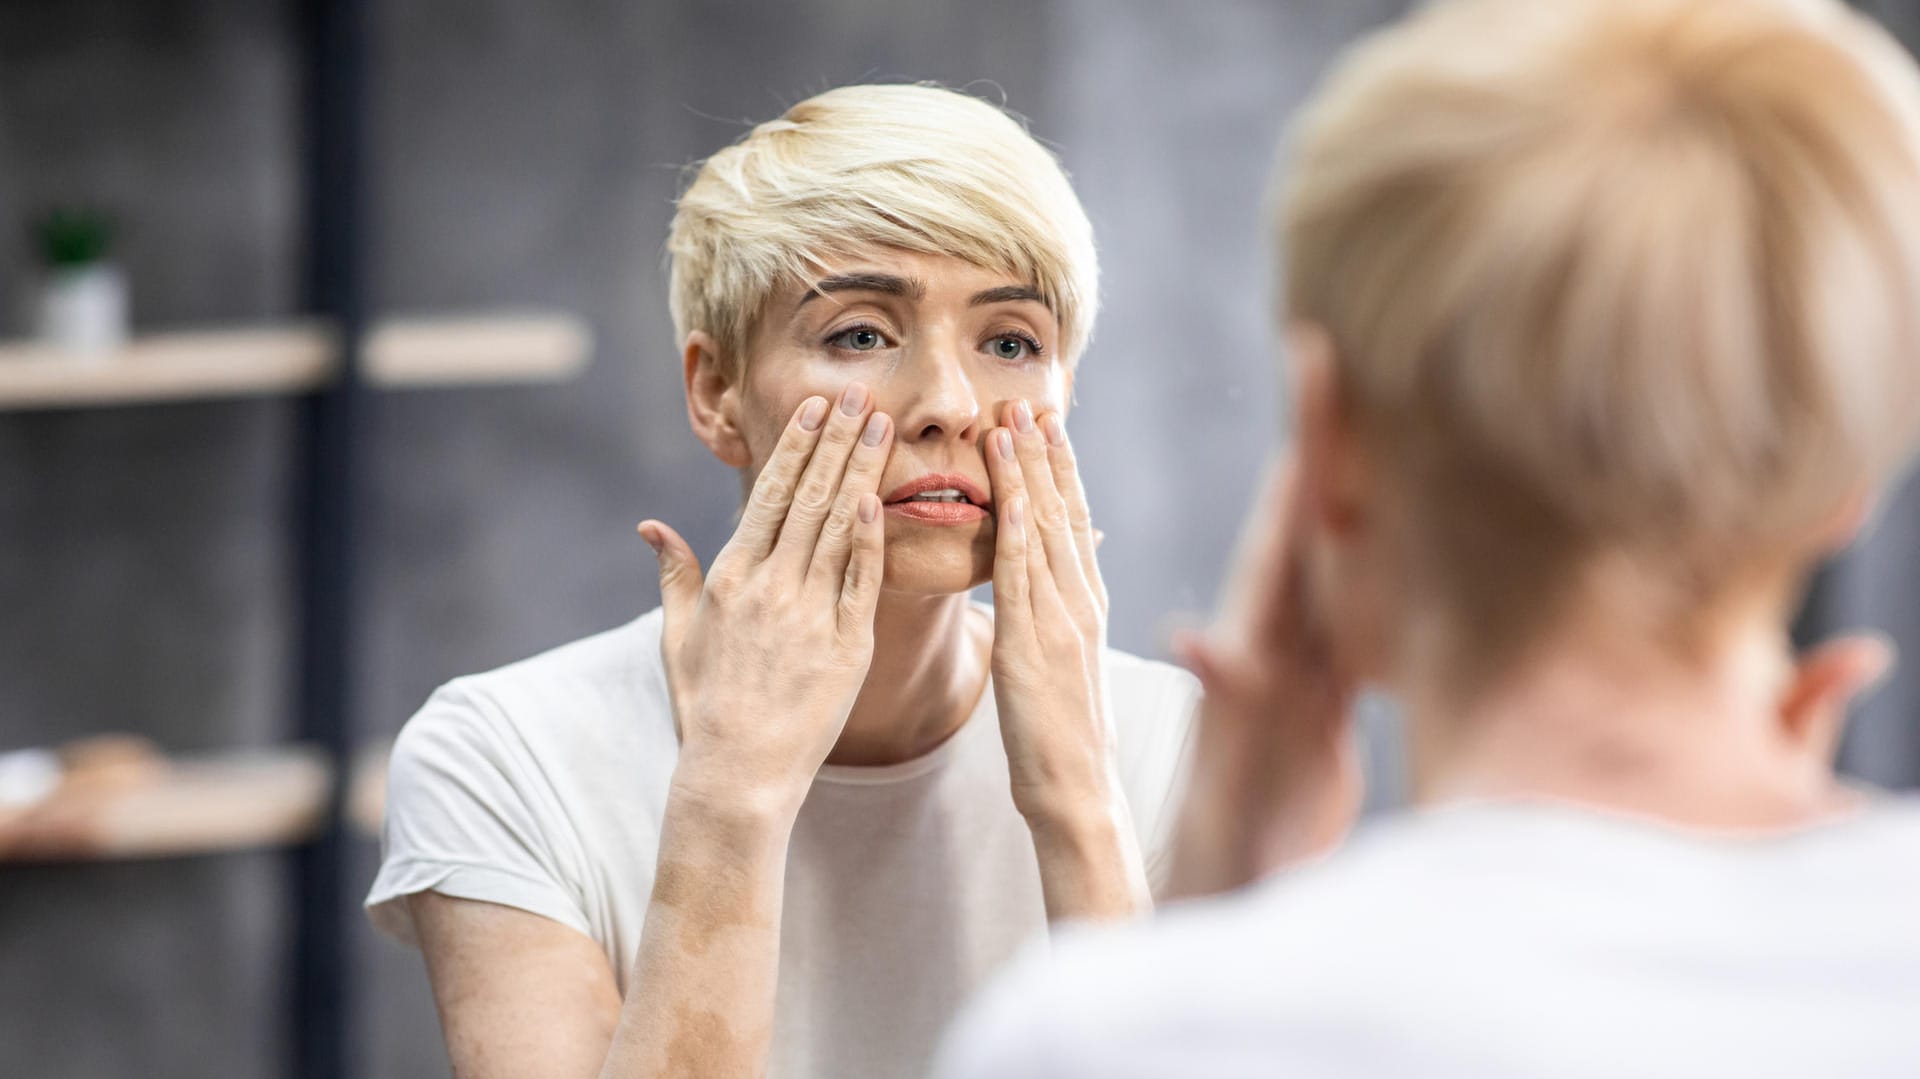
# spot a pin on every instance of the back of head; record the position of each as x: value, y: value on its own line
x: 1633, y: 278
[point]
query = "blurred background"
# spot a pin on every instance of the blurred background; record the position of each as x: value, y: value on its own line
x: 519, y: 165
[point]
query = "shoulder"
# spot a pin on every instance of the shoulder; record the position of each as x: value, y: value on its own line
x: 1152, y: 703
x: 1197, y: 987
x: 612, y: 671
x: 1134, y: 1000
x: 625, y: 659
x: 1141, y: 684
x: 601, y: 696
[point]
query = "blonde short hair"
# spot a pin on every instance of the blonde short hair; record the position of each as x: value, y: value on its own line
x: 914, y: 167
x: 1610, y: 276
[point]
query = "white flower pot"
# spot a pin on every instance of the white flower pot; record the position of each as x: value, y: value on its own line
x: 83, y: 309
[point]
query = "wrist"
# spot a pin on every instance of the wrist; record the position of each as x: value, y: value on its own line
x: 1063, y: 788
x: 1090, y: 815
x: 722, y: 801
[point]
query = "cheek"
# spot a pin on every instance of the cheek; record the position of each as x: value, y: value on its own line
x: 1045, y: 385
x: 776, y: 385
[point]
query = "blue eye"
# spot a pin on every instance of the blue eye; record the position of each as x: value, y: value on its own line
x: 1013, y: 346
x: 858, y: 339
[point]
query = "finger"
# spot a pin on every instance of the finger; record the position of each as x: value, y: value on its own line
x: 862, y: 478
x: 1825, y: 681
x: 1046, y: 510
x: 1012, y: 597
x: 680, y: 585
x: 772, y: 492
x: 866, y: 566
x: 813, y: 496
x: 1192, y: 651
x: 1066, y: 479
x: 680, y: 579
x: 1010, y: 482
x: 1265, y: 587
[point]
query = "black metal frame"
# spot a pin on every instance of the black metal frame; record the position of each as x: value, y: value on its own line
x: 333, y: 36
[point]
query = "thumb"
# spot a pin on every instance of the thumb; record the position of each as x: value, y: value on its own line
x: 1825, y: 682
x: 680, y: 578
x: 1202, y: 658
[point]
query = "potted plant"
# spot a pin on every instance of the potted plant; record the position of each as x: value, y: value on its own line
x: 83, y: 302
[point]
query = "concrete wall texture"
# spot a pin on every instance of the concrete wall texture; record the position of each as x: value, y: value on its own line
x: 526, y: 154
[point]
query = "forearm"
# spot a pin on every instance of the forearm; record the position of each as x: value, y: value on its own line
x: 1234, y: 830
x: 701, y: 998
x: 1090, y: 864
x: 1214, y: 850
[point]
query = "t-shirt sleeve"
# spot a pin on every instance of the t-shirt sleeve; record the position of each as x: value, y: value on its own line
x: 1179, y: 715
x: 469, y: 815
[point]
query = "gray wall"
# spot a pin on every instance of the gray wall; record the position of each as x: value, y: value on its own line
x: 526, y: 154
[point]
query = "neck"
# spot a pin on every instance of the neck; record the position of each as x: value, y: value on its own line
x: 1612, y: 722
x: 930, y: 656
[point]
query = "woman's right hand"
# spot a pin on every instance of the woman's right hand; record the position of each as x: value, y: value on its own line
x: 766, y: 653
x: 1276, y: 774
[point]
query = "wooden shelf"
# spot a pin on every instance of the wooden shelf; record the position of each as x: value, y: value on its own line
x: 294, y: 358
x: 237, y: 800
x: 423, y: 352
x: 170, y: 367
x: 367, y: 788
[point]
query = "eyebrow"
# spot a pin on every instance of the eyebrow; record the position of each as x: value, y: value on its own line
x: 913, y: 288
x: 890, y: 284
x: 1007, y: 294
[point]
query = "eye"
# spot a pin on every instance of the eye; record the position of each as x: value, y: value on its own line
x: 858, y: 339
x: 1013, y: 346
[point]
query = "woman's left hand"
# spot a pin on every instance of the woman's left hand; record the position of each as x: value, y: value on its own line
x: 1050, y: 630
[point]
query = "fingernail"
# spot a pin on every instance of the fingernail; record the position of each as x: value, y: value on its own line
x: 1003, y: 442
x: 652, y: 537
x: 1017, y: 512
x: 1056, y: 431
x: 853, y: 399
x: 813, y: 413
x: 876, y: 431
x: 1023, y: 417
x: 869, y: 508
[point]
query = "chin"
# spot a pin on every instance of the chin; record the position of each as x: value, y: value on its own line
x: 937, y: 562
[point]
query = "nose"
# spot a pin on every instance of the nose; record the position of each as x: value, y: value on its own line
x: 934, y: 398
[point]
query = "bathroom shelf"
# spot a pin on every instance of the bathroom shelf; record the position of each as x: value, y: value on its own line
x: 366, y: 793
x: 426, y: 352
x: 333, y: 360
x: 169, y: 367
x: 229, y: 801
x: 297, y: 357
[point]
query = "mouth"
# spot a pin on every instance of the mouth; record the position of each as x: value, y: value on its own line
x: 940, y: 499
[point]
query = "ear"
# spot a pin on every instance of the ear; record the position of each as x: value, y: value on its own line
x: 1335, y: 481
x: 1813, y: 710
x: 713, y: 399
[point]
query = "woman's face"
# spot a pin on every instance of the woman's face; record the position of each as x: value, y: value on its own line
x: 942, y: 344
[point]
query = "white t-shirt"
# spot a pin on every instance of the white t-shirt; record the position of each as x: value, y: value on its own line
x: 1497, y: 941
x: 542, y: 786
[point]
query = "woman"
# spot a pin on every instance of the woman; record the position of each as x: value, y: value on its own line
x: 792, y: 818
x: 1603, y: 318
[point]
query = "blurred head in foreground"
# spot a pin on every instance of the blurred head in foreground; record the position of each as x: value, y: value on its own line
x: 911, y: 238
x: 1605, y: 327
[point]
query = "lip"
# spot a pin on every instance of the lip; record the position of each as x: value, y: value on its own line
x: 976, y: 508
